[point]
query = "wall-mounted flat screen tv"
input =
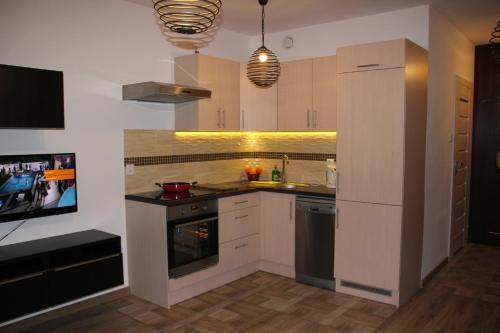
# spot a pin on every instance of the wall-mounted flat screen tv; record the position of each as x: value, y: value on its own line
x: 31, y: 98
x: 37, y: 185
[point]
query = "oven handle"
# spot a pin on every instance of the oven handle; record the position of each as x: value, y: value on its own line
x: 185, y: 224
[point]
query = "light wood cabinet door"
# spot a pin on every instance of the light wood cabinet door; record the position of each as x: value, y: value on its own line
x: 370, y: 136
x: 324, y: 103
x: 295, y: 96
x: 372, y: 56
x: 230, y: 94
x: 221, y: 77
x: 258, y: 106
x: 277, y: 228
x: 367, y: 244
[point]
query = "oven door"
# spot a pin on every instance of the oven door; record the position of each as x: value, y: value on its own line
x: 193, y: 244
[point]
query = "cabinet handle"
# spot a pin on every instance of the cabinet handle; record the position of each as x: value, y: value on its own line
x: 240, y: 217
x: 240, y: 246
x: 218, y: 118
x: 291, y: 216
x: 24, y: 277
x: 368, y: 65
x: 337, y: 190
x: 315, y: 119
x: 242, y: 119
x: 336, y: 218
x: 86, y: 262
x: 308, y: 118
x: 224, y: 118
x: 240, y: 202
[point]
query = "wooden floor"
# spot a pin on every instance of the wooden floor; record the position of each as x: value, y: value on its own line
x: 463, y: 297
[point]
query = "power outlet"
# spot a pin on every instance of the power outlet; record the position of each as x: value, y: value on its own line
x: 130, y: 169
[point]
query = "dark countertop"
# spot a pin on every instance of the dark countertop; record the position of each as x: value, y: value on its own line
x: 229, y: 189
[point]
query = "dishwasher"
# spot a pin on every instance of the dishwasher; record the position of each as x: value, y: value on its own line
x: 315, y: 241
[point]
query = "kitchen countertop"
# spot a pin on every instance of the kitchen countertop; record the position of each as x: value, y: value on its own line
x: 230, y: 189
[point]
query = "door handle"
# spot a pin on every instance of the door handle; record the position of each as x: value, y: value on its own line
x: 218, y: 118
x: 336, y: 218
x: 315, y: 119
x: 337, y: 190
x: 224, y: 118
x: 308, y: 118
x: 242, y: 119
x: 291, y: 216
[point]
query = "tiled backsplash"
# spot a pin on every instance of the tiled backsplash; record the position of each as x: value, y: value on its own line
x: 211, y: 157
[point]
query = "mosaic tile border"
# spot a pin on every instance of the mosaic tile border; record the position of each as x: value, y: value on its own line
x: 171, y: 159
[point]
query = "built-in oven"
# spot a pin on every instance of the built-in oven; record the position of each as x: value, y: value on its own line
x: 192, y: 237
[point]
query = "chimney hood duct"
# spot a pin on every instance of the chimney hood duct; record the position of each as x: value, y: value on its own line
x: 162, y: 92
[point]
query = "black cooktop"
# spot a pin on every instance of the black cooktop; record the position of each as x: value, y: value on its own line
x: 171, y: 196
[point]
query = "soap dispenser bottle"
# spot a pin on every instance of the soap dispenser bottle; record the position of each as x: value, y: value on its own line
x: 275, y: 174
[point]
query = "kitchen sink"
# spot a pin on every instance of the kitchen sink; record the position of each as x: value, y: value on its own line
x: 270, y: 183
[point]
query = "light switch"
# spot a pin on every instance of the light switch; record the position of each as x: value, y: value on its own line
x: 130, y: 169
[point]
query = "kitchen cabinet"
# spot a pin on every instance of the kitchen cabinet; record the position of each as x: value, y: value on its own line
x: 258, y: 106
x: 222, y: 77
x: 307, y: 95
x: 370, y: 139
x: 381, y: 118
x: 277, y: 232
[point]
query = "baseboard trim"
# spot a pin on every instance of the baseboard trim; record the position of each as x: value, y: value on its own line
x: 434, y: 272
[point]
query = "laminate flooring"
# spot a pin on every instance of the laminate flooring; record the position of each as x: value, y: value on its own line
x: 463, y: 297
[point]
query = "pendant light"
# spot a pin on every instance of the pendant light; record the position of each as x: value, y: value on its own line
x: 187, y: 16
x: 263, y: 68
x: 495, y: 42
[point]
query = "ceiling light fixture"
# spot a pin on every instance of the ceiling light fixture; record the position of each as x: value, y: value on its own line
x: 495, y: 42
x: 263, y: 68
x: 187, y: 16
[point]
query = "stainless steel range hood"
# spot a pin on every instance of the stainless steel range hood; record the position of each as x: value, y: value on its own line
x: 163, y: 92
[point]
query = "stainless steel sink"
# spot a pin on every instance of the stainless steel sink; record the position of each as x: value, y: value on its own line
x: 270, y: 183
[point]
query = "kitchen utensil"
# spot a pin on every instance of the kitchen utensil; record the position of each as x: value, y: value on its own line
x: 176, y: 186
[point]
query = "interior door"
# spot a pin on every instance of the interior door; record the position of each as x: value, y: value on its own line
x: 461, y: 165
x: 370, y: 136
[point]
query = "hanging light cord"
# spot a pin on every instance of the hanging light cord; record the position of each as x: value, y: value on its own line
x: 14, y: 229
x: 263, y: 16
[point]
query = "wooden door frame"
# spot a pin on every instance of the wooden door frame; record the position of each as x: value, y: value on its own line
x: 460, y: 80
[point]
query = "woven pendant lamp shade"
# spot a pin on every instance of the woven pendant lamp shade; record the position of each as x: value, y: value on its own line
x: 187, y: 16
x: 263, y: 68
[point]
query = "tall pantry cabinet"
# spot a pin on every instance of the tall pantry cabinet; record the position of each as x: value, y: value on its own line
x: 381, y: 119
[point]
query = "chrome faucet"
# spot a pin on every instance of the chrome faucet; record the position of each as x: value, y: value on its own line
x: 284, y: 162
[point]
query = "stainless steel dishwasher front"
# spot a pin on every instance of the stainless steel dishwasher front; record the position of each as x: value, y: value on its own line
x: 315, y: 241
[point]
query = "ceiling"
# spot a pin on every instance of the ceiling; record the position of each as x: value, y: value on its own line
x: 475, y: 18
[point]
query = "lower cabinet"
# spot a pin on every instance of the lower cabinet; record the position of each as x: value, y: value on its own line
x: 239, y: 252
x: 277, y: 233
x: 367, y: 248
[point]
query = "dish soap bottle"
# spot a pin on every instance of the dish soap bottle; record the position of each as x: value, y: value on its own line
x: 331, y: 173
x: 275, y: 174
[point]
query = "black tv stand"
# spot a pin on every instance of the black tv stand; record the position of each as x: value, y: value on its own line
x: 50, y: 271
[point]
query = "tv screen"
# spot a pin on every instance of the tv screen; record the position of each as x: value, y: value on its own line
x: 31, y: 98
x: 37, y: 185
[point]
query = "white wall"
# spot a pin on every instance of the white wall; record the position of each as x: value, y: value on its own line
x: 99, y: 45
x: 450, y: 54
x: 323, y: 39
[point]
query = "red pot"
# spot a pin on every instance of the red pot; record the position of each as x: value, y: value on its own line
x: 176, y: 186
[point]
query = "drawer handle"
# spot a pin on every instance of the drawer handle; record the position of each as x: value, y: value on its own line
x: 240, y: 202
x: 368, y: 65
x: 82, y: 263
x: 24, y: 277
x: 240, y: 217
x: 240, y: 246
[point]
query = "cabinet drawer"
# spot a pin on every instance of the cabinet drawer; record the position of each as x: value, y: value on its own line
x: 373, y: 56
x: 237, y: 224
x: 238, y: 202
x: 239, y: 252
